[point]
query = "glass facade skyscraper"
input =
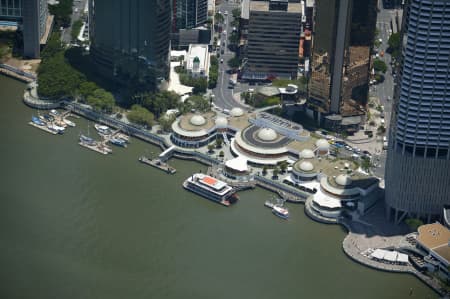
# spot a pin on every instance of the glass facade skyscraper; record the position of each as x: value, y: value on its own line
x: 418, y: 163
x: 188, y: 14
x: 10, y: 9
x: 130, y: 39
x: 33, y: 15
x: 343, y: 37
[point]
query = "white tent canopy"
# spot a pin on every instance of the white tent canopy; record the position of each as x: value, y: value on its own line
x: 238, y: 164
x: 378, y: 254
x: 402, y: 258
x: 390, y: 256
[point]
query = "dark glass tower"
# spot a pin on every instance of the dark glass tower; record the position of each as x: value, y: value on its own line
x: 189, y: 14
x: 130, y: 39
x: 342, y: 40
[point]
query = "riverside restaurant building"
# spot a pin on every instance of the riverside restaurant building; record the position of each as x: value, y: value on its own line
x: 335, y: 184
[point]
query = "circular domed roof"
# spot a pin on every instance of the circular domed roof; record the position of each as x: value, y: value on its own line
x: 343, y: 180
x: 221, y: 122
x: 306, y: 166
x: 322, y: 144
x: 306, y: 154
x: 197, y: 120
x: 236, y: 111
x: 267, y: 134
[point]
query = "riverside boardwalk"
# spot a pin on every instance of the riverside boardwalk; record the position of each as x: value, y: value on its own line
x: 372, y: 231
x: 157, y: 164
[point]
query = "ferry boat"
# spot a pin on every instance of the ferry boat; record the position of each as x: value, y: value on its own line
x: 36, y: 120
x: 280, y: 212
x: 118, y: 142
x: 103, y: 130
x: 211, y: 188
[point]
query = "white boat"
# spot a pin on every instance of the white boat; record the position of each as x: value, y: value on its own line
x: 103, y: 130
x: 211, y: 188
x: 55, y: 128
x: 280, y: 211
x: 54, y: 112
x: 69, y: 122
x: 118, y: 142
x: 87, y: 140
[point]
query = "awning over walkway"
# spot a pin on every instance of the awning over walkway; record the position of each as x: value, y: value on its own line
x: 238, y: 164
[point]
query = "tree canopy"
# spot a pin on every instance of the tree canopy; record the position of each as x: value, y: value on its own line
x: 213, y: 72
x: 141, y: 116
x: 101, y: 100
x: 56, y: 78
x: 62, y: 12
x: 159, y: 103
x: 394, y: 43
x: 196, y: 102
x: 379, y: 66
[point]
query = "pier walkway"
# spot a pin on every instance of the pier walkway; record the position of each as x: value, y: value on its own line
x: 16, y: 73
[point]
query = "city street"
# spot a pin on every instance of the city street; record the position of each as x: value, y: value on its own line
x: 77, y: 12
x: 384, y: 91
x: 223, y: 93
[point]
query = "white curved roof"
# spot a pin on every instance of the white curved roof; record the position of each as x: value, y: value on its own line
x: 306, y: 154
x: 236, y: 111
x: 221, y: 122
x: 180, y: 131
x: 258, y: 150
x: 267, y: 134
x: 253, y: 159
x: 238, y: 164
x: 306, y: 166
x: 197, y: 120
x: 327, y: 202
x: 322, y: 144
x: 343, y: 180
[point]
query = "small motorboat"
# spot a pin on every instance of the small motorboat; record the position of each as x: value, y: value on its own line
x: 87, y: 140
x: 36, y: 120
x: 103, y: 130
x: 280, y: 212
x: 118, y: 142
x: 54, y: 112
x: 69, y: 122
x: 55, y: 128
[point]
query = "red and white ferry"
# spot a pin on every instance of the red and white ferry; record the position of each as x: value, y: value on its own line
x: 211, y: 188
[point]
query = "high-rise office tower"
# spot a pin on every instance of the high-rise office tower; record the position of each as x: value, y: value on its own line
x: 342, y: 39
x: 273, y: 39
x: 418, y: 162
x: 130, y: 39
x: 188, y: 14
x: 33, y: 16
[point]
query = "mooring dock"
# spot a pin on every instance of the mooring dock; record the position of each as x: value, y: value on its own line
x: 158, y: 164
x: 97, y: 147
x: 43, y: 128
